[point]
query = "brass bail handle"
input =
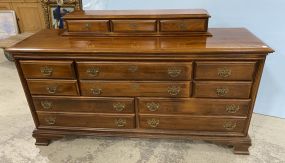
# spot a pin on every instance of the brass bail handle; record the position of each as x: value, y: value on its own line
x: 51, y: 89
x: 46, y: 70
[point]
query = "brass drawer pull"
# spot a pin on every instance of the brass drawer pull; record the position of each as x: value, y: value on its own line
x: 50, y: 120
x: 222, y: 91
x: 224, y: 72
x: 133, y: 26
x: 120, y: 122
x: 232, y: 108
x: 133, y: 68
x: 229, y: 125
x: 174, y: 72
x: 46, y: 105
x: 152, y: 106
x: 96, y: 91
x: 153, y: 122
x: 119, y: 106
x: 93, y: 71
x: 51, y: 89
x: 46, y: 71
x: 87, y: 26
x: 174, y: 90
x: 183, y: 26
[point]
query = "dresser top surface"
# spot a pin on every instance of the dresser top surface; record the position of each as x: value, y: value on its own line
x: 224, y: 40
x: 166, y: 13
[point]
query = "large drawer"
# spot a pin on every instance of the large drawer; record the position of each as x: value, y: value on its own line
x: 135, y: 71
x: 84, y: 104
x: 132, y: 88
x: 192, y: 123
x: 194, y: 106
x: 134, y: 25
x: 86, y: 120
x: 47, y: 69
x: 224, y: 70
x: 184, y: 25
x: 88, y: 25
x: 53, y: 87
x: 217, y: 89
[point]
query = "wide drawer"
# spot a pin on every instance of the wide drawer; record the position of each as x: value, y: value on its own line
x: 192, y: 123
x: 53, y: 87
x: 193, y: 106
x: 86, y: 120
x: 135, y: 71
x: 48, y: 69
x: 183, y: 25
x: 225, y: 70
x: 131, y: 88
x: 84, y: 104
x: 134, y: 25
x: 88, y: 25
x: 222, y: 89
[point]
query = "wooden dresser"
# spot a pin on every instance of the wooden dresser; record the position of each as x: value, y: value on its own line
x: 156, y: 74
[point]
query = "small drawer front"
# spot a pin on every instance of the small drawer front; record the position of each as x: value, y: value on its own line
x: 121, y: 88
x: 194, y: 106
x: 88, y: 25
x: 225, y: 70
x: 183, y: 25
x: 48, y: 69
x: 134, y: 25
x: 80, y: 104
x: 222, y: 89
x: 86, y: 120
x: 192, y: 123
x: 135, y: 71
x: 53, y: 87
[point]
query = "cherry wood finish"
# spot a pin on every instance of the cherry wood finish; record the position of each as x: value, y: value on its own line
x: 135, y: 70
x: 88, y: 25
x: 86, y: 120
x: 194, y: 106
x: 53, y: 87
x: 48, y: 69
x: 180, y: 86
x: 129, y: 88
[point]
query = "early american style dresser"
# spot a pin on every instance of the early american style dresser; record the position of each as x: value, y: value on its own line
x: 152, y: 73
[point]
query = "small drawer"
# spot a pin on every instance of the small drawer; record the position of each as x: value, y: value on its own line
x: 222, y: 89
x: 134, y: 25
x: 84, y: 104
x: 194, y: 106
x: 129, y: 88
x: 225, y: 70
x: 47, y: 69
x: 135, y: 71
x: 88, y: 25
x: 184, y: 25
x: 86, y: 120
x: 53, y: 87
x: 170, y: 122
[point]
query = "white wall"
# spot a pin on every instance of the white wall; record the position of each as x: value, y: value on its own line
x: 265, y: 18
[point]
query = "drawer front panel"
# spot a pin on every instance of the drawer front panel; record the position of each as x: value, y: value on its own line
x: 135, y: 71
x: 48, y: 69
x: 79, y: 104
x: 53, y: 87
x: 184, y: 25
x: 134, y: 25
x: 88, y: 25
x: 222, y: 89
x: 194, y: 106
x: 225, y: 70
x: 121, y: 88
x: 192, y: 123
x: 86, y: 120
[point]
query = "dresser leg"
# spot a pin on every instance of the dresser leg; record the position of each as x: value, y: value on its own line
x: 241, y: 149
x: 42, y: 141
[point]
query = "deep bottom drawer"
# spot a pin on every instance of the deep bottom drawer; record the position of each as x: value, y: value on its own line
x: 192, y: 123
x: 87, y: 120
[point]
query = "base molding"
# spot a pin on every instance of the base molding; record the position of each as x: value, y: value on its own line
x: 240, y: 144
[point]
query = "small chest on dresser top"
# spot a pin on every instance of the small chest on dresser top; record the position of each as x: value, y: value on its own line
x: 202, y: 85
